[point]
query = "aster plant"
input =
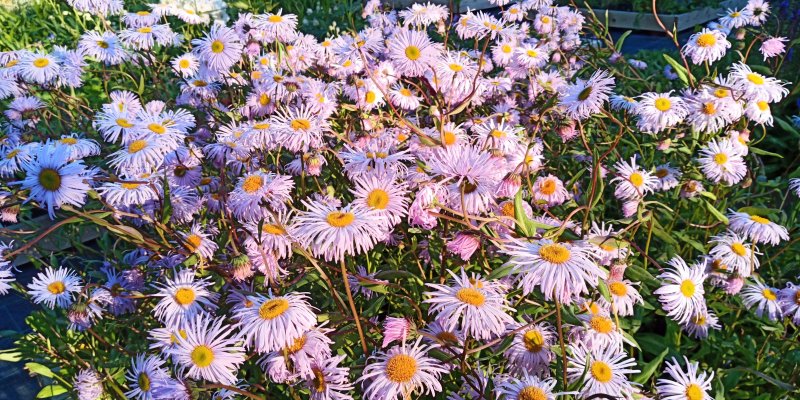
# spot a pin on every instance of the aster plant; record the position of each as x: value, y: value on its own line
x: 429, y: 204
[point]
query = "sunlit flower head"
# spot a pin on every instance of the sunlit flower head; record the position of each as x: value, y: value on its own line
x: 402, y: 371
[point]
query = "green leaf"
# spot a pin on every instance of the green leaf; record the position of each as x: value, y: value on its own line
x: 787, y: 126
x: 520, y: 216
x: 650, y: 368
x: 717, y: 214
x: 10, y: 355
x: 503, y: 271
x: 603, y: 287
x: 51, y: 391
x: 679, y: 69
x: 777, y: 382
x: 637, y: 273
x: 760, y: 152
x: 618, y: 45
x: 760, y: 211
x: 39, y: 369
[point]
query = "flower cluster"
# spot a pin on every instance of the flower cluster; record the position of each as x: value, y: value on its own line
x: 440, y: 183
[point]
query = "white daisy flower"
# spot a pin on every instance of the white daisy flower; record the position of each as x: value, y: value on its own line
x: 722, y: 162
x: 549, y: 191
x: 689, y: 385
x: 707, y: 45
x: 603, y: 371
x: 623, y: 297
x: 401, y: 372
x: 329, y: 381
x: 381, y: 194
x: 633, y: 182
x: 681, y: 292
x: 733, y: 252
x: 105, y: 47
x: 183, y: 297
x: 186, y: 65
x: 220, y: 48
x: 698, y: 326
x: 274, y: 322
x: 53, y: 180
x: 412, y: 52
x: 530, y: 351
x: 38, y: 67
x: 763, y: 299
x: 658, y: 111
x: 584, y: 98
x: 334, y: 232
x: 757, y: 228
x: 565, y: 269
x: 145, y: 373
x: 755, y: 86
x: 528, y: 387
x: 736, y: 18
x: 668, y: 177
x: 209, y: 351
x: 789, y: 300
x: 479, y: 309
x: 54, y: 288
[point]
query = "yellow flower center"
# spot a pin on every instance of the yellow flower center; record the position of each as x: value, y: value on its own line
x: 339, y: 219
x: 144, y: 382
x: 762, y: 105
x: 370, y: 97
x: 531, y: 393
x: 760, y: 220
x: 145, y: 29
x: 706, y: 40
x: 69, y: 140
x: 618, y: 288
x: 200, y: 83
x: 401, y: 368
x: 296, y: 345
x: 405, y: 92
x: 319, y: 380
x: 413, y: 53
x: 273, y: 229
x: 41, y: 62
x: 532, y: 53
x: 709, y: 108
x: 252, y: 183
x: 601, y: 371
x: 739, y: 249
x: 663, y: 104
x: 699, y: 319
x: 601, y: 324
x: 12, y: 63
x: 506, y: 48
x: 130, y: 186
x: 548, y: 187
x: 755, y: 78
x: 184, y: 296
x: 275, y: 19
x: 769, y: 294
x: 50, y: 179
x: 720, y: 158
x: 158, y: 129
x: 694, y: 392
x: 378, y: 199
x: 545, y: 19
x: 456, y: 67
x: 471, y: 296
x: 637, y: 179
x: 56, y: 287
x: 202, y: 356
x: 217, y: 47
x: 554, y: 253
x: 533, y: 341
x: 688, y: 288
x: 300, y: 123
x: 193, y: 241
x: 136, y: 146
x: 143, y: 13
x: 721, y: 93
x: 448, y: 138
x: 122, y: 122
x: 183, y: 64
x: 103, y: 44
x: 272, y: 309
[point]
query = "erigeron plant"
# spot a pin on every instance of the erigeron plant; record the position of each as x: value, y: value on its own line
x: 471, y: 206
